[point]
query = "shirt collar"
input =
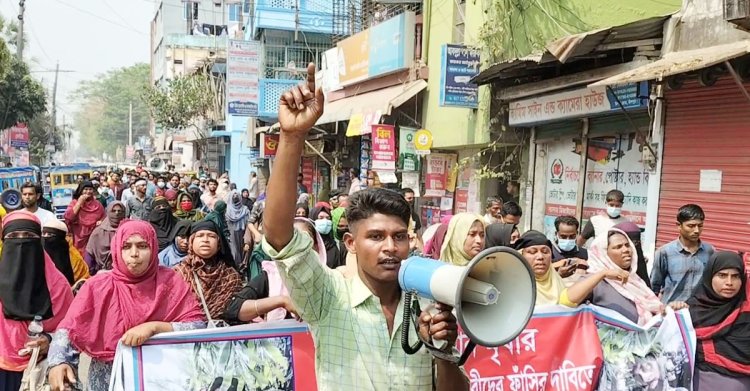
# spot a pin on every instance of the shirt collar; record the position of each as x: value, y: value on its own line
x: 360, y: 292
x: 681, y: 247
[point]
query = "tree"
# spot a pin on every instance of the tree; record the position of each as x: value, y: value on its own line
x: 102, y: 117
x: 6, y: 31
x: 41, y: 135
x: 21, y: 97
x: 186, y: 103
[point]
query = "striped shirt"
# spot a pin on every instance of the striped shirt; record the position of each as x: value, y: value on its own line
x: 677, y: 271
x: 353, y: 349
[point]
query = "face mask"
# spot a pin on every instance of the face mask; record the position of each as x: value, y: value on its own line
x: 103, y: 191
x: 187, y: 206
x: 323, y: 226
x: 613, y: 211
x: 566, y: 244
x: 160, y: 184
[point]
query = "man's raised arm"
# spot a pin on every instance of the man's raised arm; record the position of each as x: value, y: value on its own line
x: 299, y: 109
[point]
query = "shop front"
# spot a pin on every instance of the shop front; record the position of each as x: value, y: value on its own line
x: 585, y: 143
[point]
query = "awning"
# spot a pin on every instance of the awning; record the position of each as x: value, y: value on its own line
x: 680, y: 62
x: 383, y: 100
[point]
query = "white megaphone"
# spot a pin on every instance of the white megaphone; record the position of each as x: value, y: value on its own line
x: 493, y: 297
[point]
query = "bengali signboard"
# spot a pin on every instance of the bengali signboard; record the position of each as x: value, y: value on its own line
x: 383, y: 147
x: 436, y: 175
x: 263, y: 356
x: 614, y: 162
x: 459, y: 64
x: 577, y: 103
x: 408, y: 160
x: 19, y: 136
x: 601, y: 350
x: 243, y: 67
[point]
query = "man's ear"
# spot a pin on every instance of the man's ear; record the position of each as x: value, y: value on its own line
x: 349, y: 243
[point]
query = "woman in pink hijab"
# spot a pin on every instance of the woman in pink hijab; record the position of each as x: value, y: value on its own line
x: 30, y: 285
x: 266, y: 295
x: 130, y: 304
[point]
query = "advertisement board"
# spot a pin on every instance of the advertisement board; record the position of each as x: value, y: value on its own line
x: 243, y: 68
x: 458, y: 65
x: 383, y: 147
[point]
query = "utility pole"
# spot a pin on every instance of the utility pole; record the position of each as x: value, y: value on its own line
x: 54, y: 98
x: 19, y: 36
x: 296, y: 21
x: 130, y: 124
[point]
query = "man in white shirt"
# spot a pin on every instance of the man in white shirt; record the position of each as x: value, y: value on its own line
x: 601, y: 223
x: 30, y: 198
x: 356, y: 182
x: 253, y: 186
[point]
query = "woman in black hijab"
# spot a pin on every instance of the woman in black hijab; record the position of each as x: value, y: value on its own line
x: 321, y: 216
x: 57, y: 247
x: 500, y: 234
x: 163, y: 221
x: 720, y: 311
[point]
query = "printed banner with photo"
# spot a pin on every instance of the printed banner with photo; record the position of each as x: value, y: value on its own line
x: 585, y: 349
x: 278, y: 356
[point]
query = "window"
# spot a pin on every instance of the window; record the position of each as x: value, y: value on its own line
x: 246, y: 8
x: 459, y: 24
x: 190, y: 8
x: 235, y: 12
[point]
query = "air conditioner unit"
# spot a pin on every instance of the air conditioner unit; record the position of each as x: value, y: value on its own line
x: 738, y: 13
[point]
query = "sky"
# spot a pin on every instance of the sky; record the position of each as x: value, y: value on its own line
x: 87, y: 37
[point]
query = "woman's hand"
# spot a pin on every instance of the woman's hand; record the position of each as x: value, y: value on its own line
x: 138, y: 334
x: 618, y: 275
x: 61, y: 377
x: 40, y: 342
x: 289, y: 306
x: 678, y: 305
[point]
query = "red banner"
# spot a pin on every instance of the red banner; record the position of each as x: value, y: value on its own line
x: 19, y: 136
x: 269, y: 143
x: 383, y: 147
x: 462, y: 201
x: 308, y: 173
x: 555, y: 352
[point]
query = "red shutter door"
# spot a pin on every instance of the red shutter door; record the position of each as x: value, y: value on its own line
x: 707, y: 128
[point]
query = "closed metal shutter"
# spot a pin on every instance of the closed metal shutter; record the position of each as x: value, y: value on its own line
x: 707, y: 128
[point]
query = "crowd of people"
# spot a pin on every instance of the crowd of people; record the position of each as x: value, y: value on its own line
x: 139, y: 254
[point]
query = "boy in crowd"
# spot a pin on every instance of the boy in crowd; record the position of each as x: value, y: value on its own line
x: 353, y: 349
x: 603, y: 222
x: 678, y: 265
x: 566, y: 254
x: 511, y: 213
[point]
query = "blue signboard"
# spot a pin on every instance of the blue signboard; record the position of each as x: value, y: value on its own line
x: 459, y: 64
x: 389, y: 41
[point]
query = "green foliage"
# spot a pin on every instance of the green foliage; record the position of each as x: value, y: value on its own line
x: 6, y: 30
x: 102, y: 117
x: 180, y: 103
x: 516, y: 28
x: 41, y: 135
x: 21, y: 97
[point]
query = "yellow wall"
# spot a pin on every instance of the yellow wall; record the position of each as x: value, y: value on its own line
x: 450, y: 126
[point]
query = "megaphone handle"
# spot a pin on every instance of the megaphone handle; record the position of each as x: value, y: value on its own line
x: 409, y: 316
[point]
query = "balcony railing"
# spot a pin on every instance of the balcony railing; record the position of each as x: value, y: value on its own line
x: 270, y: 91
x: 196, y: 41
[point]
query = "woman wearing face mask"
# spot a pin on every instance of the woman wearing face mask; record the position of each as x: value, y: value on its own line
x: 186, y: 208
x: 174, y: 254
x: 324, y: 225
x: 163, y: 222
x: 464, y: 239
x: 613, y: 281
x: 83, y: 215
x: 135, y: 301
x: 30, y: 285
x: 720, y: 311
x: 266, y: 295
x: 161, y: 187
x: 65, y: 256
x: 237, y: 216
x: 98, y: 256
x: 537, y: 250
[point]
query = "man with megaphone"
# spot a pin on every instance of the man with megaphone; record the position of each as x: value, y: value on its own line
x: 356, y: 323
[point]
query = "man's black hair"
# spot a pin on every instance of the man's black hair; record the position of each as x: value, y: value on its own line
x: 615, y: 195
x: 511, y: 208
x: 28, y: 185
x: 407, y: 190
x: 356, y: 171
x: 39, y: 189
x: 365, y: 203
x: 174, y: 175
x: 690, y: 212
x: 567, y: 220
x: 492, y: 200
x: 214, y: 181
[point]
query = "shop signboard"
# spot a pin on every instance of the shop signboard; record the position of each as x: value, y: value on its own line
x: 243, y: 64
x: 459, y: 64
x: 383, y: 147
x: 408, y: 160
x: 268, y: 145
x: 384, y: 48
x: 436, y: 175
x: 308, y: 171
x: 19, y: 136
x: 423, y: 142
x: 577, y: 103
x: 614, y: 162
